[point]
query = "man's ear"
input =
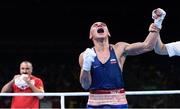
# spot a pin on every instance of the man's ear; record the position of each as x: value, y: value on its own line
x: 109, y: 34
x: 90, y: 35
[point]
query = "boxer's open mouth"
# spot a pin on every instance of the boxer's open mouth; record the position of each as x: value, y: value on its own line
x: 100, y: 30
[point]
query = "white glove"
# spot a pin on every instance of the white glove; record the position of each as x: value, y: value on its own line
x: 88, y: 58
x: 158, y: 15
x: 20, y: 83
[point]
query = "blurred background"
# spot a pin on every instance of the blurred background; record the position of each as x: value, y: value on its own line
x: 52, y: 34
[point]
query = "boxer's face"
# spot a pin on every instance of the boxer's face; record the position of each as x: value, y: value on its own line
x: 26, y: 68
x: 99, y: 30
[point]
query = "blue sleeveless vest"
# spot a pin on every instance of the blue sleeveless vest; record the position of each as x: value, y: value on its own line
x: 108, y: 75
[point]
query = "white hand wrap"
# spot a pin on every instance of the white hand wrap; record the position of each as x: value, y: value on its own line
x: 158, y: 15
x: 20, y: 83
x: 88, y: 58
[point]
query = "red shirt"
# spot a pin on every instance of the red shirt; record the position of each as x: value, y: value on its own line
x: 26, y: 101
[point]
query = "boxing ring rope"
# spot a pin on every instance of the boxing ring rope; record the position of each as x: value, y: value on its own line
x: 64, y: 94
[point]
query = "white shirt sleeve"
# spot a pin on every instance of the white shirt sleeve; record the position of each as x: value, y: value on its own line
x: 173, y: 48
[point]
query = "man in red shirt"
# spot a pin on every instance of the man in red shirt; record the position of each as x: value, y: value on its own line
x: 25, y: 82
